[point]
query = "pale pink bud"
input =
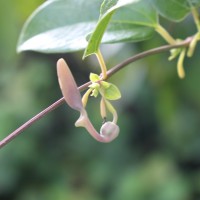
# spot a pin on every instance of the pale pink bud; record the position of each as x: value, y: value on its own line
x: 109, y: 130
x: 68, y: 86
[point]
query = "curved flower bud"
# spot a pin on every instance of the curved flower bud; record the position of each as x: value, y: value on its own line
x: 68, y: 86
x: 109, y: 130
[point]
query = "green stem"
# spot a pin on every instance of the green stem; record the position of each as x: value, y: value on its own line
x: 193, y: 44
x: 196, y: 18
x: 163, y: 32
x: 102, y: 64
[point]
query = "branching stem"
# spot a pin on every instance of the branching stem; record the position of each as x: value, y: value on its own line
x: 109, y: 73
x: 195, y: 15
x: 163, y: 32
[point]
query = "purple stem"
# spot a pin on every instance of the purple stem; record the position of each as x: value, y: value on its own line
x: 112, y: 71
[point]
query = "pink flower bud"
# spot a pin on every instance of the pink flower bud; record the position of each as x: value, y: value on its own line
x: 68, y: 86
x: 109, y: 130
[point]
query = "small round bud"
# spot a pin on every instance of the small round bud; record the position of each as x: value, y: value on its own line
x: 109, y: 130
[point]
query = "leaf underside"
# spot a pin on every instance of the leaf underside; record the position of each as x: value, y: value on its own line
x: 60, y: 26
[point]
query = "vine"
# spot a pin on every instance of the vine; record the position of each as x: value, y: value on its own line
x: 83, y: 87
x: 141, y: 24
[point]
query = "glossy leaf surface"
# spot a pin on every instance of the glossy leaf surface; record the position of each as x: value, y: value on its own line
x: 133, y: 22
x: 59, y: 26
x: 63, y: 25
x: 175, y: 10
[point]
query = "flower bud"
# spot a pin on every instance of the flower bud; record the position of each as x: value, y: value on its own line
x: 68, y: 86
x: 109, y: 130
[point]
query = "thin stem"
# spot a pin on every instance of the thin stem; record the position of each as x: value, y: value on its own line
x: 102, y: 64
x: 31, y: 121
x: 144, y: 54
x: 37, y: 117
x: 112, y: 71
x: 163, y: 32
x: 195, y: 15
x: 193, y: 44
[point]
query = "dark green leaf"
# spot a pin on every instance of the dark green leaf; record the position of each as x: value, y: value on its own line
x: 175, y: 10
x: 132, y: 23
x: 119, y: 32
x: 50, y: 29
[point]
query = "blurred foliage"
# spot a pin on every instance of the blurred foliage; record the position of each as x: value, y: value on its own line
x: 157, y: 153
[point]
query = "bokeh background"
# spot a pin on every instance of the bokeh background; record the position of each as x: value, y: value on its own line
x: 156, y: 156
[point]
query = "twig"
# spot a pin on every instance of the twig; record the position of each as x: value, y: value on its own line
x: 110, y: 72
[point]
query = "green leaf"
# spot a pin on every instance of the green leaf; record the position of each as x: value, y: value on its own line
x: 112, y: 92
x: 105, y: 84
x: 134, y: 21
x: 59, y: 26
x: 141, y: 13
x: 94, y: 77
x: 50, y: 29
x: 175, y: 10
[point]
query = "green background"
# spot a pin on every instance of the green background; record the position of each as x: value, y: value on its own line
x: 155, y: 157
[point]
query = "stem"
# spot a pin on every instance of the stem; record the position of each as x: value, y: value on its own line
x: 193, y: 44
x: 150, y: 52
x: 163, y: 32
x: 31, y: 121
x: 195, y: 15
x: 102, y: 64
x: 112, y: 71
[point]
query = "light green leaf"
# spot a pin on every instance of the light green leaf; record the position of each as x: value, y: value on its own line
x: 105, y: 84
x: 112, y: 92
x: 94, y: 77
x: 175, y: 10
x: 59, y: 26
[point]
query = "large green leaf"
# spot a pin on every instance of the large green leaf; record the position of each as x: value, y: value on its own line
x: 59, y: 26
x: 62, y: 25
x: 175, y: 10
x: 133, y: 21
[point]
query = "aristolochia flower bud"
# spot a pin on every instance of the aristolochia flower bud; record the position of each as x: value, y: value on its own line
x: 109, y: 130
x: 68, y: 86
